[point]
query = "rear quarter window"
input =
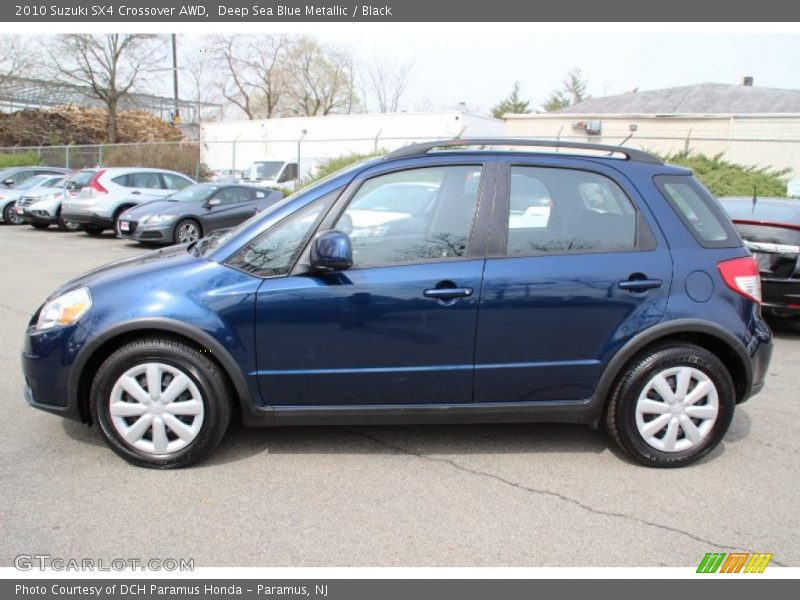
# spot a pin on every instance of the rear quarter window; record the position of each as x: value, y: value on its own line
x: 699, y: 211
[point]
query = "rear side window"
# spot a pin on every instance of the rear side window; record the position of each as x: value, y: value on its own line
x: 565, y: 211
x: 698, y: 210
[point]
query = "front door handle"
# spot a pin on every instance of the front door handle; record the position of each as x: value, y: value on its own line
x: 639, y: 285
x: 448, y: 293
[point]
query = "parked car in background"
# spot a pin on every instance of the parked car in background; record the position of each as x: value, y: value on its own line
x: 273, y: 174
x: 225, y: 175
x: 102, y: 195
x: 194, y: 212
x: 770, y: 228
x: 9, y: 197
x: 620, y: 310
x: 42, y: 208
x: 13, y: 176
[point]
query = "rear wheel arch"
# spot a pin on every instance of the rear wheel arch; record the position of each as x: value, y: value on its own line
x: 91, y: 359
x: 699, y: 333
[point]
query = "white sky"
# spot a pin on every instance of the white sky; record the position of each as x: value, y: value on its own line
x: 480, y: 68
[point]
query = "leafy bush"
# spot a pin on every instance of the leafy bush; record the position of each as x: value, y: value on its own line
x: 19, y: 159
x: 183, y: 158
x: 331, y: 165
x: 725, y: 178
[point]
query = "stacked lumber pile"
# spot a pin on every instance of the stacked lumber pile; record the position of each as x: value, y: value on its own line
x: 81, y: 125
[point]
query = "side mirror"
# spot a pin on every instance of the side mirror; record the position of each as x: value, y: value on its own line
x: 8, y: 182
x: 331, y: 251
x: 213, y: 202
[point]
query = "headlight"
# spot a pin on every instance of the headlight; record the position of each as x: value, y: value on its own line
x: 157, y: 219
x: 65, y: 309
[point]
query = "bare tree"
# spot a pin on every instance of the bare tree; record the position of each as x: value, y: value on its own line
x: 16, y: 57
x: 252, y: 71
x: 199, y: 79
x: 109, y: 66
x: 387, y: 83
x: 320, y: 79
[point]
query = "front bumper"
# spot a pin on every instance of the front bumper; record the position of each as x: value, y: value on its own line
x: 46, y: 360
x: 38, y: 217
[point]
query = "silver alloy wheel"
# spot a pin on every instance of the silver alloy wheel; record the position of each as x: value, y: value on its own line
x: 677, y: 409
x: 188, y: 232
x: 12, y: 217
x: 156, y: 408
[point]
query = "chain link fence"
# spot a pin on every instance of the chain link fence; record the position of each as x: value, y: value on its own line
x: 198, y: 159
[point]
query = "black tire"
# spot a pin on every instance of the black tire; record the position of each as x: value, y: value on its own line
x: 40, y: 225
x: 10, y: 215
x: 204, y: 373
x: 621, y: 413
x: 186, y: 222
x: 64, y: 225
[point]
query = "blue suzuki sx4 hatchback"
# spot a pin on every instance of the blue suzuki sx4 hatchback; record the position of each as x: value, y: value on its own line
x: 451, y: 281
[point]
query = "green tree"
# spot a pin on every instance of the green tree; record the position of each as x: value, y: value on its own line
x: 724, y: 178
x: 512, y: 104
x: 574, y: 91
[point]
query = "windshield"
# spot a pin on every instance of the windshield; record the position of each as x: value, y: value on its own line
x: 32, y: 182
x: 265, y: 170
x: 194, y: 193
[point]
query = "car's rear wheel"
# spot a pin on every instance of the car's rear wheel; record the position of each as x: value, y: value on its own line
x: 65, y: 225
x: 93, y: 229
x: 11, y: 216
x: 671, y: 406
x: 160, y: 403
x: 187, y: 231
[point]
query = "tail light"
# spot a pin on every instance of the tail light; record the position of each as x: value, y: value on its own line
x: 741, y: 275
x: 95, y: 184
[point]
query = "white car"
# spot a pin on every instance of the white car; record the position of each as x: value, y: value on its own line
x: 31, y: 186
x: 101, y: 195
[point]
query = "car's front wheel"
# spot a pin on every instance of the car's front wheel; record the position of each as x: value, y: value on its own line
x: 671, y: 406
x: 11, y: 216
x: 160, y: 403
x: 187, y: 231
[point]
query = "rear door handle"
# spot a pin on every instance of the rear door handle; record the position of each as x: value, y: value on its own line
x: 448, y: 293
x: 639, y: 285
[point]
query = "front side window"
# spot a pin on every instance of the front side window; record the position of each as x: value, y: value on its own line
x: 562, y: 211
x: 274, y: 253
x: 413, y: 215
x: 175, y: 182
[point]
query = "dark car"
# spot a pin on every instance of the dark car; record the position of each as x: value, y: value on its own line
x: 770, y: 228
x: 625, y: 297
x: 194, y: 212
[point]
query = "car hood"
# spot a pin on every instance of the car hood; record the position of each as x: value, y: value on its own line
x: 162, y: 259
x: 164, y: 207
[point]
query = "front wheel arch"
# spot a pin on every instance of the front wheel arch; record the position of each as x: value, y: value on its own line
x: 89, y: 361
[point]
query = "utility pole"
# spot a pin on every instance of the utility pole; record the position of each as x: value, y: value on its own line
x: 177, y: 116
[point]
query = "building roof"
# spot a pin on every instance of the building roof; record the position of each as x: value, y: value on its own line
x: 700, y: 99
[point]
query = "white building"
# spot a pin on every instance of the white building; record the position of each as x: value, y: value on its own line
x: 750, y: 125
x: 237, y: 144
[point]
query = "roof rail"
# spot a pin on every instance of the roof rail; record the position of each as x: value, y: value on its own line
x: 415, y: 150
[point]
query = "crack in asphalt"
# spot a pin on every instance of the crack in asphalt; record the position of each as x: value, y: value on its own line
x: 549, y: 493
x: 16, y: 310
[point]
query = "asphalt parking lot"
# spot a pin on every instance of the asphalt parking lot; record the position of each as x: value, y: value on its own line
x: 496, y: 495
